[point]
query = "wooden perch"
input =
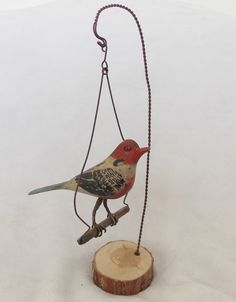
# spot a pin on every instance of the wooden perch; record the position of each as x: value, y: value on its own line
x: 88, y: 235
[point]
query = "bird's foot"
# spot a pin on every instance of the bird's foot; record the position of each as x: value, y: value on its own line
x: 100, y: 229
x: 113, y: 219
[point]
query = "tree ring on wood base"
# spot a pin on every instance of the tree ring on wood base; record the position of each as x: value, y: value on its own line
x: 117, y: 270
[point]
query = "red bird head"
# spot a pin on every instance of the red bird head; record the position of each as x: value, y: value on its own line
x: 129, y: 152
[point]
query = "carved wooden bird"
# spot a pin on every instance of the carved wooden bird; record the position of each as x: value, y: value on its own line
x: 111, y: 179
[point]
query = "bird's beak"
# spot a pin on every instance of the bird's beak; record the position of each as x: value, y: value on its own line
x: 143, y: 150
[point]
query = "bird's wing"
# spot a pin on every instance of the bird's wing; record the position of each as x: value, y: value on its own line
x: 101, y: 182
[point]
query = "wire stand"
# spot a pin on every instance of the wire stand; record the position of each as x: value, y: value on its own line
x: 123, y: 267
x: 103, y: 44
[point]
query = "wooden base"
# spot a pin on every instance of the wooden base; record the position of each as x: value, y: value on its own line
x: 117, y: 270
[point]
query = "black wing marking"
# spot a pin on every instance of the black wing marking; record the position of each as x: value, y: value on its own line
x: 104, y: 182
x: 118, y: 162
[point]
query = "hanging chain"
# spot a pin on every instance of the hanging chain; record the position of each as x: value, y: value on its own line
x: 103, y: 44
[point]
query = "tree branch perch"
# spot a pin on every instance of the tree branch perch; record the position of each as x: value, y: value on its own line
x: 91, y: 233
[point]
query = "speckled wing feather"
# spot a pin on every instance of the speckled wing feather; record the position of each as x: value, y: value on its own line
x: 102, y: 182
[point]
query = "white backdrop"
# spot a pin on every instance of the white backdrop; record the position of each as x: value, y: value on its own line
x: 49, y: 78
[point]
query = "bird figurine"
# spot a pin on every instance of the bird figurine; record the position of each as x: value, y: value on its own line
x: 110, y: 179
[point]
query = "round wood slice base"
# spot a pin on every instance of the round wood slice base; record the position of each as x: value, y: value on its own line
x: 117, y: 270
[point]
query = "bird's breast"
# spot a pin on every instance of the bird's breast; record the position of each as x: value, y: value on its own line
x: 128, y: 175
x: 127, y: 171
x: 124, y: 190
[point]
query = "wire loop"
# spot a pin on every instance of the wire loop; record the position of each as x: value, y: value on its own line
x: 104, y: 67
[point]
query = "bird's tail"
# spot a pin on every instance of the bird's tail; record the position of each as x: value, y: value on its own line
x: 59, y: 186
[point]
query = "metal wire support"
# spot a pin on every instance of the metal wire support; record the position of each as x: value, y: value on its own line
x: 103, y: 44
x: 104, y: 66
x: 88, y: 151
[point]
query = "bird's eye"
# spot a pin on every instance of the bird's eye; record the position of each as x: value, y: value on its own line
x: 127, y: 148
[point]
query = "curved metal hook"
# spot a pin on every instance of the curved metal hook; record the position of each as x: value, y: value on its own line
x: 103, y: 42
